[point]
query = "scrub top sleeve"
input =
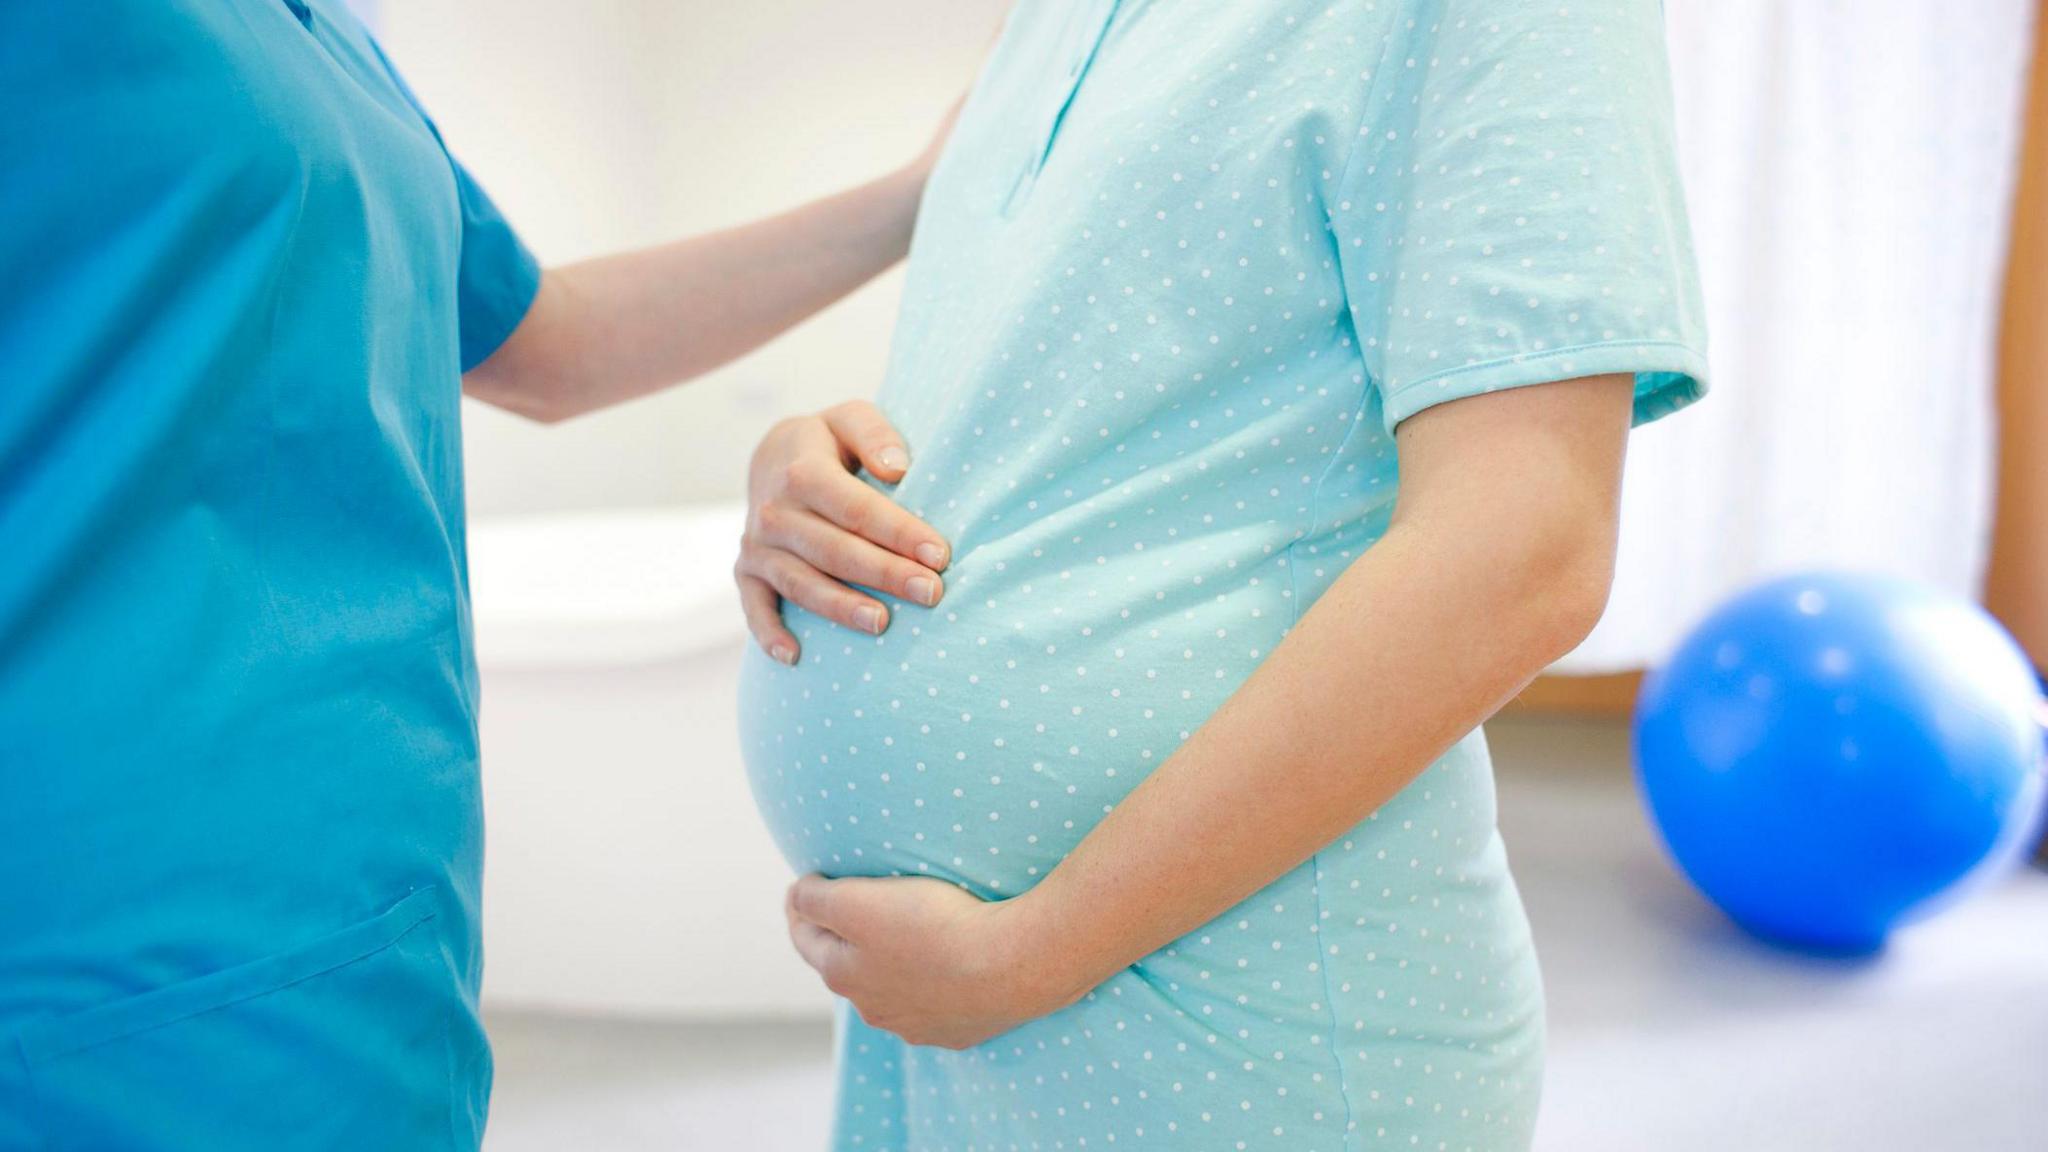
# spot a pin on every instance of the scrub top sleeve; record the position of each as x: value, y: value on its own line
x: 1511, y: 212
x: 499, y: 275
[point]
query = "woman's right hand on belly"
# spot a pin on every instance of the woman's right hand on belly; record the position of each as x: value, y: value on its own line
x: 813, y: 528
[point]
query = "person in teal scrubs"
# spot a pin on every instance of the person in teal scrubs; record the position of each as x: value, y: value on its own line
x: 241, y: 285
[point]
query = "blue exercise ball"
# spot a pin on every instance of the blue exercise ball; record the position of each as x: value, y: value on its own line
x: 1828, y: 755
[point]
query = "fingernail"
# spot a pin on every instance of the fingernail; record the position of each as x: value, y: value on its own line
x: 893, y: 458
x: 868, y: 618
x: 924, y: 590
x: 931, y: 555
x: 783, y: 653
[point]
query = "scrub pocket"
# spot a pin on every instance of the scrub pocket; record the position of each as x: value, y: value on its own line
x: 363, y: 1039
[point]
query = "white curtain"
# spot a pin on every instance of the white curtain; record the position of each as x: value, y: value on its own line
x: 1849, y: 166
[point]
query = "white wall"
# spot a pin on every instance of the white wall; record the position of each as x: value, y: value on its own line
x: 612, y: 123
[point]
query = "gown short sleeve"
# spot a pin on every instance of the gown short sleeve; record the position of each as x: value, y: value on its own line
x: 498, y: 275
x: 1511, y: 211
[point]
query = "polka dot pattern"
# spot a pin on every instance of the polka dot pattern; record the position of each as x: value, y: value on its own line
x: 1180, y: 273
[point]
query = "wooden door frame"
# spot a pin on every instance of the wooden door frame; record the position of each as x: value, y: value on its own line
x: 2016, y: 579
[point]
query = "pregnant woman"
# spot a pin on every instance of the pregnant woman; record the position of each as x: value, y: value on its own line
x: 1170, y: 826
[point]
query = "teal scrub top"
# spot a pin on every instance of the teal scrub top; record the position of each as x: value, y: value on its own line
x: 240, y: 842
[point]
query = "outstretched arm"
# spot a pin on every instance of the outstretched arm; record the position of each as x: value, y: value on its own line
x: 607, y: 330
x: 1496, y: 563
x: 611, y: 329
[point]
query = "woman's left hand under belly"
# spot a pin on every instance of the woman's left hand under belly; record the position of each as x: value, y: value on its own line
x: 928, y: 960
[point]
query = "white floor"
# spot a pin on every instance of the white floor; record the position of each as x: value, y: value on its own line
x: 1669, y: 1030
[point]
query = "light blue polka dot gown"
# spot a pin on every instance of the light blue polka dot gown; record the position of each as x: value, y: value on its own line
x: 1182, y: 270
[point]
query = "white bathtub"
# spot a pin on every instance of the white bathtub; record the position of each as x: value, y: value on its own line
x: 626, y: 871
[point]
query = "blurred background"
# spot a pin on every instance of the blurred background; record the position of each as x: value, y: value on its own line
x: 1861, y: 175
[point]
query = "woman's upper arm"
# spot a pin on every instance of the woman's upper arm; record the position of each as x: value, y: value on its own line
x: 1520, y: 446
x: 1523, y: 487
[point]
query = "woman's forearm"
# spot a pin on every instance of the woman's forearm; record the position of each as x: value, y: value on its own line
x: 1443, y: 620
x: 613, y: 328
x: 1386, y: 671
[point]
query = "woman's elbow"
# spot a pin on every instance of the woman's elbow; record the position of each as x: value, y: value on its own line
x: 1569, y: 583
x: 502, y: 387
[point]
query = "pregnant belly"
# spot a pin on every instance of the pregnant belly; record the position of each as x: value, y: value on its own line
x: 980, y: 741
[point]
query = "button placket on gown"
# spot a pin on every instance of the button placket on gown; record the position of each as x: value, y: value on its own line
x: 1076, y: 54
